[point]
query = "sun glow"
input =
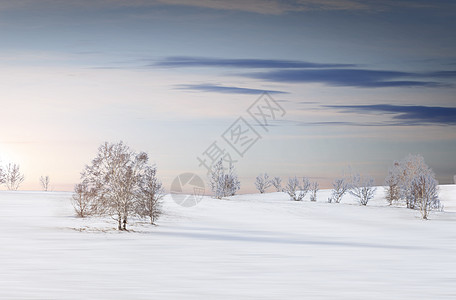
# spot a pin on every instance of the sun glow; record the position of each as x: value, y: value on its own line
x: 6, y: 155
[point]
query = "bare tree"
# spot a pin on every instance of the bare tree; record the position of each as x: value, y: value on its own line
x: 314, y: 187
x: 340, y: 188
x: 216, y: 180
x: 401, y: 177
x: 84, y: 200
x: 295, y: 190
x: 392, y: 184
x: 277, y: 183
x: 115, y: 174
x: 2, y: 176
x: 151, y: 194
x: 363, y: 189
x: 14, y: 177
x: 224, y: 183
x: 425, y: 189
x: 45, y: 182
x: 262, y: 182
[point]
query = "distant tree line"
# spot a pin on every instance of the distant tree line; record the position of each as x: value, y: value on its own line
x: 409, y: 181
x: 12, y: 177
x: 119, y: 183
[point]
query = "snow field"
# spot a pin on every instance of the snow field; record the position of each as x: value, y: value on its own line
x: 243, y: 247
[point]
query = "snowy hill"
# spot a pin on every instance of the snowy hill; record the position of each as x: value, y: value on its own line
x: 245, y: 247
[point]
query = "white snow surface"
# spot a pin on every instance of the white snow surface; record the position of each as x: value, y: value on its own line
x: 243, y: 247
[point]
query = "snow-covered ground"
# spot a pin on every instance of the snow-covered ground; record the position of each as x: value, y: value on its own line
x: 247, y: 247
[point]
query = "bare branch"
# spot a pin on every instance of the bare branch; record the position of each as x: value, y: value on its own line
x: 262, y: 182
x: 45, y: 182
x: 14, y: 177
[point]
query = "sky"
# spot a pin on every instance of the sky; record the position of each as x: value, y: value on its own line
x: 351, y: 85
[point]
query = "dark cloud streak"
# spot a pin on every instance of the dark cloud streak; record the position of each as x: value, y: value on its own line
x: 184, y: 61
x: 407, y: 114
x: 331, y: 74
x: 344, y: 77
x: 225, y: 89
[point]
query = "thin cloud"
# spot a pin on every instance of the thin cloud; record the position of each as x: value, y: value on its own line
x: 213, y: 88
x: 356, y: 124
x: 442, y: 74
x: 186, y: 61
x: 277, y: 7
x: 408, y: 115
x: 265, y: 7
x: 342, y: 123
x: 345, y: 77
x: 332, y: 74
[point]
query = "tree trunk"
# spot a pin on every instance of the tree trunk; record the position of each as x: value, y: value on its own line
x: 120, y: 223
x: 125, y: 224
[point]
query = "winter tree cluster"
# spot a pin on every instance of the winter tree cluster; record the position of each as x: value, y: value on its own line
x: 340, y: 187
x: 262, y: 182
x: 224, y: 181
x: 362, y: 188
x: 412, y: 182
x: 297, y: 189
x: 119, y: 183
x: 11, y: 176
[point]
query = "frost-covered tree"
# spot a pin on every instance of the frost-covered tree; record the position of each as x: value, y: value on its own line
x: 277, y: 183
x: 362, y: 188
x: 45, y: 182
x: 115, y: 175
x: 232, y: 183
x: 13, y: 177
x: 120, y: 184
x: 84, y: 200
x: 296, y: 190
x: 340, y: 188
x: 151, y: 193
x: 412, y: 167
x: 2, y: 176
x: 224, y: 183
x: 292, y: 188
x: 216, y: 178
x: 305, y: 185
x: 401, y: 177
x: 314, y: 187
x: 392, y: 184
x: 424, y: 193
x: 262, y: 182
